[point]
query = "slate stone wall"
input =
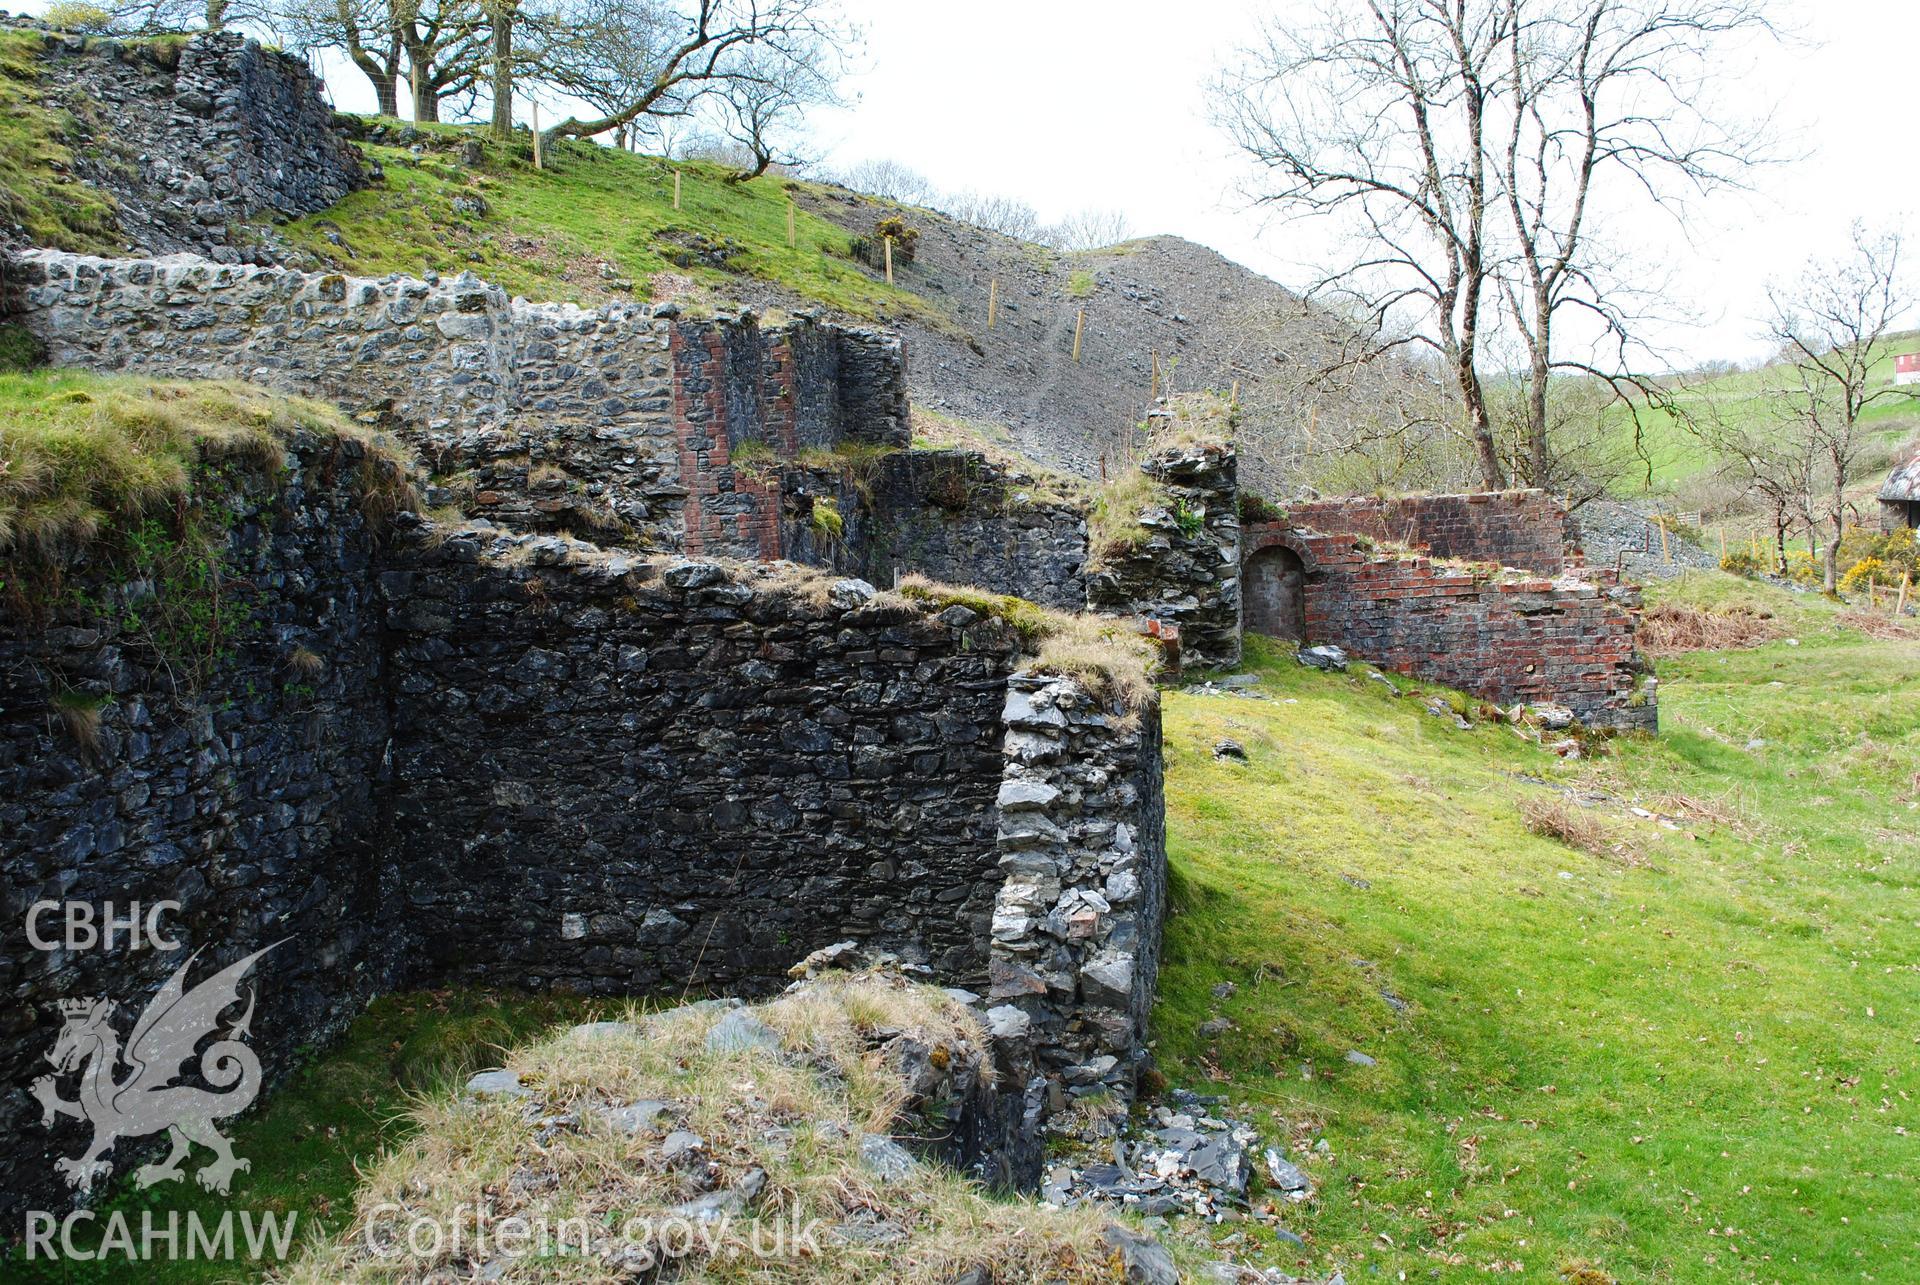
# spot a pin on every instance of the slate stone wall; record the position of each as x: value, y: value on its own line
x: 1529, y: 529
x: 523, y: 759
x: 253, y: 801
x: 1505, y: 636
x: 1076, y: 925
x: 1183, y: 581
x: 195, y: 138
x: 625, y: 776
x: 958, y: 517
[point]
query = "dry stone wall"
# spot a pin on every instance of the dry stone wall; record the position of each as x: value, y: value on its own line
x: 519, y: 758
x: 1182, y: 580
x: 193, y: 138
x: 252, y: 802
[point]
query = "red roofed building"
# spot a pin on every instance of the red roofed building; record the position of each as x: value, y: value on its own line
x: 1906, y: 368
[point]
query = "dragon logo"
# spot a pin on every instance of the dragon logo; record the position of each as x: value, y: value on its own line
x: 145, y: 1099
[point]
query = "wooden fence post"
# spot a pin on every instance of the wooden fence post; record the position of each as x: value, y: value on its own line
x: 1900, y: 606
x: 538, y: 162
x: 887, y: 246
x: 1666, y: 551
x: 676, y: 189
x: 993, y: 300
x: 1079, y: 324
x: 793, y: 235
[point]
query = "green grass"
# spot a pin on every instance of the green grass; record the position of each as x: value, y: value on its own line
x: 1697, y: 1068
x: 1676, y: 455
x: 83, y: 455
x: 309, y: 1139
x: 37, y: 189
x: 592, y: 217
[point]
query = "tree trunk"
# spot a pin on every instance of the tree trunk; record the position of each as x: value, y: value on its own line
x: 386, y: 91
x: 1830, y: 559
x: 1480, y: 425
x: 217, y: 14
x: 502, y: 17
x: 1537, y: 391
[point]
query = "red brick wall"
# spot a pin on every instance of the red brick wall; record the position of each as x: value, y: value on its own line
x: 1525, y: 529
x: 1504, y: 637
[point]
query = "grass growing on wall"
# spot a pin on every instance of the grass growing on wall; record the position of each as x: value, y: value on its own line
x: 37, y: 187
x: 1687, y: 1054
x: 593, y: 217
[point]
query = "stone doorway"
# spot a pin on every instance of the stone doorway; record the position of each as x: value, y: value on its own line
x: 1275, y: 584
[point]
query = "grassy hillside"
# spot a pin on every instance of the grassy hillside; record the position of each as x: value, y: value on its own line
x: 594, y: 224
x: 1748, y: 398
x: 1688, y: 1052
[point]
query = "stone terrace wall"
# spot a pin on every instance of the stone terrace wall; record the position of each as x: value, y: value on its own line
x: 616, y: 422
x: 195, y: 138
x: 1505, y: 637
x: 254, y: 803
x: 1183, y: 580
x: 623, y: 778
x: 1529, y: 529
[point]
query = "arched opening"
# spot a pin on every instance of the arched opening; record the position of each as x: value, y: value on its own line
x: 1275, y: 582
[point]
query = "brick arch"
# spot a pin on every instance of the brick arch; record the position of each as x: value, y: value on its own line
x: 1260, y: 537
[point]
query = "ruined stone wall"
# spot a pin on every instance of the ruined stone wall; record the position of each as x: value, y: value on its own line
x: 1076, y: 924
x: 249, y: 793
x: 958, y: 517
x: 194, y: 138
x: 1529, y: 529
x: 1504, y: 636
x: 618, y: 423
x: 624, y: 776
x: 1182, y: 581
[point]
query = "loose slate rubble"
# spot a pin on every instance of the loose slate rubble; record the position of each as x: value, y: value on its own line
x: 1182, y: 1159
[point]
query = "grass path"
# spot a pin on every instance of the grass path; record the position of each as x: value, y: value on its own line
x: 1695, y: 1062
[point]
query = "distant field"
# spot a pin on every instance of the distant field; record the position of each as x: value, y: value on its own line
x: 1676, y: 454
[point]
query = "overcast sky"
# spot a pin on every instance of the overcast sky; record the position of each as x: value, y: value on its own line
x: 1070, y: 104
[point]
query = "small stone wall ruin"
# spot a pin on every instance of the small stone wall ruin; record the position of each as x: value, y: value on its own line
x: 192, y: 138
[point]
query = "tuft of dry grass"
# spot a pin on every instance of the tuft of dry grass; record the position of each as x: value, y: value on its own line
x: 1880, y: 627
x: 1578, y: 828
x: 83, y: 454
x: 1113, y: 522
x: 1108, y: 657
x: 1669, y: 629
x: 79, y: 714
x: 306, y: 662
x: 783, y: 1123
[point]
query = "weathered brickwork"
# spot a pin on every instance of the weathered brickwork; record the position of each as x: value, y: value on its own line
x: 1503, y: 635
x: 1530, y: 529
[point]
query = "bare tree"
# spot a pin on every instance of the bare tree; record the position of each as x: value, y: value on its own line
x: 1831, y: 324
x: 888, y: 179
x: 1377, y: 115
x: 363, y: 30
x: 1604, y: 99
x: 1003, y: 214
x: 1466, y: 147
x: 765, y: 95
x: 691, y: 46
x: 1090, y: 230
